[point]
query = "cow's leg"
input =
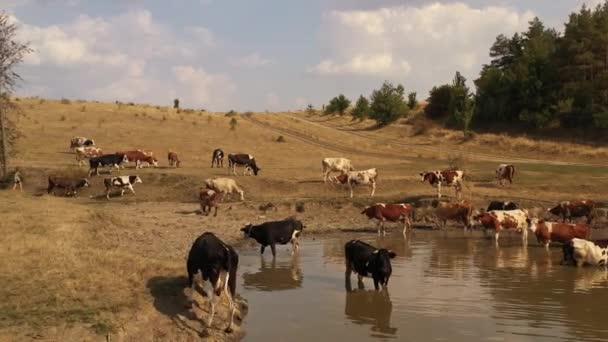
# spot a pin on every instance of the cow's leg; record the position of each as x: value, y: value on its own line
x: 215, y: 214
x: 108, y: 193
x: 373, y: 189
x: 347, y: 274
x: 579, y: 263
x: 122, y: 192
x: 212, y: 302
x: 547, y: 244
x: 524, y: 236
x: 496, y: 236
x: 273, y: 249
x: 376, y: 284
x: 351, y: 189
x: 131, y: 188
x: 458, y: 189
x: 360, y: 282
x: 262, y: 248
x: 439, y: 190
x: 230, y: 303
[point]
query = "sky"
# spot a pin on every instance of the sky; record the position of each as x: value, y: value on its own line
x: 259, y: 54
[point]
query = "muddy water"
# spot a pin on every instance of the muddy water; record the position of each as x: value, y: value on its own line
x: 445, y: 286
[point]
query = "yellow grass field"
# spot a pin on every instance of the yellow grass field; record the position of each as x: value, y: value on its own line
x: 87, y: 268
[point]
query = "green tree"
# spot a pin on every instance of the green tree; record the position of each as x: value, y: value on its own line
x: 388, y: 104
x: 338, y: 104
x: 438, y: 102
x: 310, y: 110
x: 362, y: 108
x: 412, y: 102
x: 176, y: 103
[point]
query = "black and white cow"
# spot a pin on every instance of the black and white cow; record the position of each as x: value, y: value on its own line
x: 275, y: 232
x: 217, y: 263
x: 217, y: 158
x: 112, y: 160
x: 121, y: 182
x: 246, y: 160
x: 367, y: 261
x: 497, y: 205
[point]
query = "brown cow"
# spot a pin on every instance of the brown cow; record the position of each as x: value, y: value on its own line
x: 392, y: 213
x: 569, y: 209
x: 505, y: 172
x: 70, y: 185
x: 140, y: 157
x: 505, y: 219
x: 561, y: 232
x: 209, y: 199
x: 460, y: 211
x: 173, y: 159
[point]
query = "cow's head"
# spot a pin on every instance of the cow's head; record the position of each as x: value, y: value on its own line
x: 247, y: 230
x: 557, y: 210
x: 340, y: 179
x: 380, y: 265
x: 154, y: 161
x: 136, y: 180
x: 85, y: 183
x: 254, y: 168
x: 125, y: 159
x: 424, y: 176
x: 533, y: 224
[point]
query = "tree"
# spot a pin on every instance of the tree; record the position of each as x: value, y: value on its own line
x: 362, y: 109
x: 438, y: 102
x: 388, y: 103
x: 338, y: 104
x: 12, y: 53
x: 310, y: 110
x: 412, y: 102
x: 176, y: 103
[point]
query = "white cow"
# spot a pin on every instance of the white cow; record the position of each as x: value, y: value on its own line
x: 86, y: 152
x: 224, y: 185
x: 335, y: 164
x: 581, y: 252
x: 353, y: 178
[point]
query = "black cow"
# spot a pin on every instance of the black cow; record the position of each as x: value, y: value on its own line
x: 218, y: 263
x: 121, y: 182
x: 217, y: 158
x: 246, y: 160
x: 497, y: 205
x: 367, y: 261
x: 114, y: 160
x: 70, y: 185
x: 275, y: 232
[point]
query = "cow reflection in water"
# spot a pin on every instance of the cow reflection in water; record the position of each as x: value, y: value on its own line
x: 275, y: 275
x: 370, y: 307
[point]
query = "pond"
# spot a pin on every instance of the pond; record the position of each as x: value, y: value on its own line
x: 451, y: 286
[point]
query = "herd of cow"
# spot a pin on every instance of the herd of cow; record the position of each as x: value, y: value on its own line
x: 218, y: 261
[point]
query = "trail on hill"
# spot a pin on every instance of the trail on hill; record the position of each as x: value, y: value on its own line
x: 484, y: 156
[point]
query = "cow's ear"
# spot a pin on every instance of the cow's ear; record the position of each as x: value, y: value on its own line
x: 391, y: 254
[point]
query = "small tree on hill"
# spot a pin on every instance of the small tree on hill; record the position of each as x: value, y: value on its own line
x: 176, y: 103
x: 362, y: 109
x: 388, y: 104
x: 310, y: 110
x: 412, y: 102
x: 233, y: 124
x: 338, y: 104
x: 439, y: 102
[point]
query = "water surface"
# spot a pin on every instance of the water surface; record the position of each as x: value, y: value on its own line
x: 446, y: 286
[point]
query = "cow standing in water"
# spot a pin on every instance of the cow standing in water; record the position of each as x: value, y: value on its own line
x: 446, y: 178
x: 505, y: 172
x: 367, y: 261
x: 275, y: 232
x: 217, y: 263
x: 569, y: 209
x: 547, y: 232
x: 217, y: 158
x: 499, y: 220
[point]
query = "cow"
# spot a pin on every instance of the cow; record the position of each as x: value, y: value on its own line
x: 224, y: 186
x: 112, y: 160
x: 546, y: 232
x: 70, y: 185
x: 400, y: 212
x: 446, y: 178
x: 173, y: 159
x: 341, y: 165
x: 209, y: 199
x: 584, y: 252
x: 86, y: 152
x: 81, y: 141
x: 275, y: 232
x: 505, y: 219
x: 505, y: 172
x: 217, y: 263
x: 217, y: 158
x: 569, y: 209
x: 353, y: 178
x: 246, y: 160
x: 140, y: 158
x: 367, y: 261
x: 120, y: 182
x: 497, y: 205
x: 461, y: 211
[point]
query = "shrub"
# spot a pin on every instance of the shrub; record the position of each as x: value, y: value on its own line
x: 164, y: 118
x: 65, y: 101
x: 388, y: 104
x: 420, y: 126
x: 231, y: 113
x: 130, y: 104
x: 362, y: 109
x: 83, y: 109
x: 412, y: 102
x: 338, y: 104
x: 62, y: 118
x: 41, y: 101
x: 281, y: 139
x: 310, y: 110
x: 248, y: 114
x: 176, y: 103
x: 233, y: 124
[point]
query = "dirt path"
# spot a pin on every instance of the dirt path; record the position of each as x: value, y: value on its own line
x: 482, y: 156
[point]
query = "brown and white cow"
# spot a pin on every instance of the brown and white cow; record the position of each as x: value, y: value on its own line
x: 140, y: 158
x: 354, y: 178
x: 505, y: 172
x: 446, y: 178
x: 546, y: 232
x: 584, y: 252
x: 569, y: 209
x: 461, y: 211
x: 81, y: 141
x: 341, y: 165
x: 85, y: 152
x: 399, y: 212
x: 209, y: 199
x: 500, y: 220
x: 173, y: 159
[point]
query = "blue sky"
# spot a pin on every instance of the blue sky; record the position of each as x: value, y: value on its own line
x: 259, y: 55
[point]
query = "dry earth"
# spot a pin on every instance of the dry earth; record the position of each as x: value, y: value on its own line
x: 89, y: 269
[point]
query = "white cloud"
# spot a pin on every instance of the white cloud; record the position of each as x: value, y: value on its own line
x: 252, y: 60
x: 364, y: 64
x: 427, y: 43
x: 272, y: 101
x: 202, y: 34
x: 200, y: 88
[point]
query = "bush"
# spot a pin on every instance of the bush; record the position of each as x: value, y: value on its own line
x: 388, y: 104
x: 421, y: 126
x: 439, y: 102
x: 65, y: 101
x: 310, y: 110
x: 338, y: 104
x: 83, y: 109
x: 362, y: 109
x: 233, y: 124
x: 248, y: 114
x: 231, y: 113
x: 412, y: 102
x: 281, y: 139
x: 62, y: 118
x: 176, y: 103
